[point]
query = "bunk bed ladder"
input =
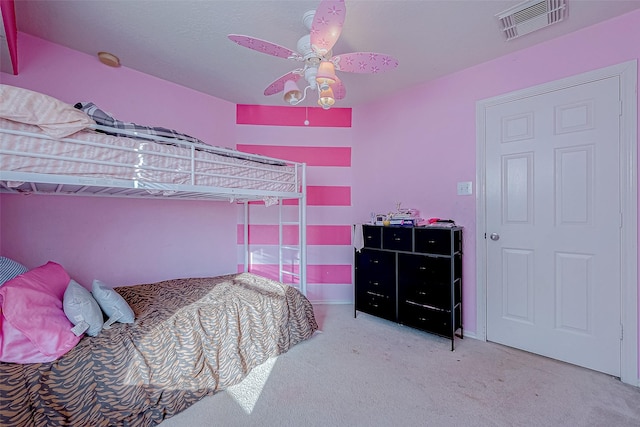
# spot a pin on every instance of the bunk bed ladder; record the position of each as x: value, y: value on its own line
x: 301, y: 246
x: 245, y: 230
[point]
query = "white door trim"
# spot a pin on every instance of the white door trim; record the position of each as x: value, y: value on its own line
x: 627, y: 72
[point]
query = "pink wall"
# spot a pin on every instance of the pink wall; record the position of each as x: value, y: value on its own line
x: 435, y: 123
x: 120, y: 241
x: 129, y: 95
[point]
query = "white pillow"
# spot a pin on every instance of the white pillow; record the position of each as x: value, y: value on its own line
x: 112, y: 303
x: 82, y: 310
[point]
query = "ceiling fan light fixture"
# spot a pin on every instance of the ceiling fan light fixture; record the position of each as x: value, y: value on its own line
x: 326, y: 99
x: 292, y: 93
x: 326, y: 75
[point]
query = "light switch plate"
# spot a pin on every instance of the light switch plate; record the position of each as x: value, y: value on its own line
x: 465, y: 188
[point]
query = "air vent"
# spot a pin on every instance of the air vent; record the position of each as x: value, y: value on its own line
x: 530, y: 16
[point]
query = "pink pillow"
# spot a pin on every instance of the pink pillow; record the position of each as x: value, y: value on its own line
x: 33, y: 326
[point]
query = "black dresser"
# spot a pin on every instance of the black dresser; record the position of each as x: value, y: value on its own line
x: 413, y: 276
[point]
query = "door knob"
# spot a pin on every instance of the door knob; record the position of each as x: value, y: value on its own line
x: 494, y: 236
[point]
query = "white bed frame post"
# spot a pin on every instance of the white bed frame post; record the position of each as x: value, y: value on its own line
x: 302, y: 234
x: 246, y: 236
x: 280, y: 240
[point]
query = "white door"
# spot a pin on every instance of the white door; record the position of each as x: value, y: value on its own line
x: 553, y: 216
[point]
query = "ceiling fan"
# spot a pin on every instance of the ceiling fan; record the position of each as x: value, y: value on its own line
x: 314, y: 50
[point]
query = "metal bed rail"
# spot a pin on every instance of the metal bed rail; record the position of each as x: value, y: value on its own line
x: 241, y: 178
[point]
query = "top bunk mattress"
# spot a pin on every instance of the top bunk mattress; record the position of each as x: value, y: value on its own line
x: 44, y: 141
x: 152, y: 165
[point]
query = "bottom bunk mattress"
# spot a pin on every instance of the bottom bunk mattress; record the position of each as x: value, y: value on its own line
x: 191, y: 338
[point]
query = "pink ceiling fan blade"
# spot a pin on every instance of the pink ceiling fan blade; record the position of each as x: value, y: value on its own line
x: 339, y: 90
x: 364, y: 62
x: 264, y: 46
x: 327, y: 25
x: 278, y: 85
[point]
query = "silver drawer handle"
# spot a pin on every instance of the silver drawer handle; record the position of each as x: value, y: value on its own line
x: 431, y: 242
x: 397, y: 239
x: 427, y: 306
x: 375, y: 294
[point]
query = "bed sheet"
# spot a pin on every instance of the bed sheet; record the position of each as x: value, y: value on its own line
x: 191, y: 338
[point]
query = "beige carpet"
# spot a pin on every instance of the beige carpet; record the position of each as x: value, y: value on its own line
x: 370, y: 372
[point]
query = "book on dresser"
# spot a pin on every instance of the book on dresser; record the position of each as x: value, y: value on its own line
x: 412, y: 276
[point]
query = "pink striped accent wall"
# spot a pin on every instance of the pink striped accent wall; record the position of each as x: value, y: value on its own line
x: 312, y: 156
x: 316, y: 234
x: 325, y: 195
x: 292, y: 116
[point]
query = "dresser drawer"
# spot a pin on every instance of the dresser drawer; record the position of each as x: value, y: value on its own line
x: 372, y: 236
x: 425, y: 280
x: 377, y: 263
x: 436, y: 241
x: 377, y: 284
x: 433, y: 295
x: 376, y: 271
x: 427, y: 319
x: 421, y: 269
x: 374, y: 303
x: 397, y: 238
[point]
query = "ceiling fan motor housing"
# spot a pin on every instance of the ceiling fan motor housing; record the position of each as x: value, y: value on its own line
x: 304, y: 47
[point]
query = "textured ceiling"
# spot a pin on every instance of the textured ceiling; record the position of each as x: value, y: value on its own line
x: 186, y: 41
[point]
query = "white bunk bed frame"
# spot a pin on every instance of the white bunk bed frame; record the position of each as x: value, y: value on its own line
x: 75, y: 185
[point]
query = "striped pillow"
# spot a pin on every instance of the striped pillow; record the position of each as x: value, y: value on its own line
x: 10, y: 269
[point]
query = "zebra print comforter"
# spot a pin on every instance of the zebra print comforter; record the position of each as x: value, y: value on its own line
x: 191, y: 338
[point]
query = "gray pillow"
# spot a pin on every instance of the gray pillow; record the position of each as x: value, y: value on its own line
x: 112, y: 303
x: 10, y: 269
x: 82, y: 310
